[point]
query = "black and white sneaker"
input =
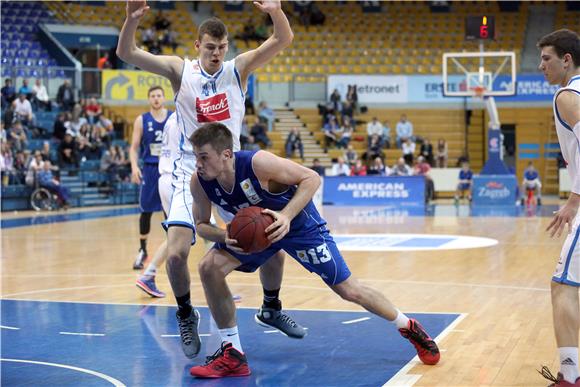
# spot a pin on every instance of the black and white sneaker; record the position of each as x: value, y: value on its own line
x: 278, y: 319
x: 189, y: 332
x: 140, y: 260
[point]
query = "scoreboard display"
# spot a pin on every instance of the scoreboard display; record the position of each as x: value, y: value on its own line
x: 480, y: 27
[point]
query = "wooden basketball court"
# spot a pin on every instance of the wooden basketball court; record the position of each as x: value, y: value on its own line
x: 504, y: 336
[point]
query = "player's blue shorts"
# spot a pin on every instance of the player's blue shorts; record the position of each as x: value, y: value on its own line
x: 464, y: 186
x: 149, y: 200
x: 315, y: 250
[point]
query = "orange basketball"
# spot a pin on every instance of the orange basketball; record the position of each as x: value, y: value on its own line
x: 248, y: 228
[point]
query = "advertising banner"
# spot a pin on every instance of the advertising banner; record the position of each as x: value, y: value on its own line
x: 130, y: 85
x: 371, y: 88
x: 374, y: 190
x: 494, y: 190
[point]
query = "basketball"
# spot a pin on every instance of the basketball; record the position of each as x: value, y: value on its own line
x: 248, y: 228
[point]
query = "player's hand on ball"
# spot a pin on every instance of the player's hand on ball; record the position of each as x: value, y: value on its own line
x: 566, y: 214
x: 232, y: 244
x: 277, y: 230
x: 136, y: 9
x: 268, y: 6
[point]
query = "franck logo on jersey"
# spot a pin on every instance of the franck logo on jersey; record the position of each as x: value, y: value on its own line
x: 368, y: 190
x: 213, y: 109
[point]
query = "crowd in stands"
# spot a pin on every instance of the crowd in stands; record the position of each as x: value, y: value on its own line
x: 158, y: 35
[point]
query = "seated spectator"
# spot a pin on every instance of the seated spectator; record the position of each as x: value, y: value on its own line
x: 374, y: 149
x: 531, y: 182
x: 36, y: 164
x: 267, y: 114
x: 47, y: 180
x: 59, y: 127
x: 340, y: 168
x: 442, y: 153
x: 465, y: 182
x: 77, y: 121
x: 345, y: 135
x: 92, y: 111
x: 258, y: 131
x: 110, y: 166
x: 40, y: 96
x: 6, y: 164
x: 21, y: 165
x: 147, y: 37
x: 386, y: 135
x: 375, y: 128
x: 25, y: 89
x: 422, y: 168
x: 378, y: 168
x: 249, y: 105
x: 65, y: 97
x: 23, y: 110
x: 8, y: 93
x: 409, y: 151
x: 318, y: 168
x: 404, y: 130
x: 358, y: 169
x: 331, y: 130
x: 67, y: 153
x: 251, y: 144
x: 426, y: 151
x: 351, y: 156
x: 294, y: 143
x: 161, y: 22
x: 46, y: 153
x: 169, y: 39
x: 401, y: 168
x: 17, y: 136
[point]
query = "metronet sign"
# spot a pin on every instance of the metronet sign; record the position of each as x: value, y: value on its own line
x: 371, y: 88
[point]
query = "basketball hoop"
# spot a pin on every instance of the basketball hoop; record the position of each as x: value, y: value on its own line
x: 478, y: 91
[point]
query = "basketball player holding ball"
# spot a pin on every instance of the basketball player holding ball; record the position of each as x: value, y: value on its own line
x: 284, y: 190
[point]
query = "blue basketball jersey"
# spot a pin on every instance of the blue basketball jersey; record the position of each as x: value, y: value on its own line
x: 152, y: 137
x: 465, y: 175
x: 248, y: 192
x: 530, y: 174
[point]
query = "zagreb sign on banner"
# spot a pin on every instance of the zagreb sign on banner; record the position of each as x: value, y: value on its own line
x: 374, y: 190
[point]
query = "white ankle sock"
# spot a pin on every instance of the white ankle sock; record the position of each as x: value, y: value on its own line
x: 231, y: 336
x: 569, y: 363
x: 401, y: 321
x: 151, y: 270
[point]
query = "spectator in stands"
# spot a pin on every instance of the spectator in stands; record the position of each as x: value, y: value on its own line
x: 59, y: 128
x: 352, y: 97
x: 36, y: 164
x: 386, y: 135
x: 23, y: 110
x: 422, y: 168
x: 358, y: 169
x: 161, y: 22
x: 67, y: 153
x: 340, y: 168
x: 148, y: 37
x: 65, y: 96
x: 351, y: 156
x: 409, y: 151
x: 20, y: 166
x: 347, y: 111
x: 169, y: 39
x: 465, y: 184
x: 331, y: 130
x: 40, y: 96
x: 378, y: 168
x: 266, y: 114
x: 258, y: 131
x: 251, y: 144
x: 6, y: 164
x: 335, y: 100
x: 426, y: 151
x: 77, y: 121
x: 442, y: 153
x: 318, y: 168
x: 47, y: 180
x: 531, y: 182
x: 293, y: 143
x: 25, y: 89
x: 47, y: 154
x: 110, y: 166
x: 93, y: 111
x: 17, y: 136
x: 249, y: 105
x: 374, y: 149
x: 345, y: 134
x: 401, y: 168
x: 8, y: 93
x: 104, y: 62
x: 375, y: 128
x: 404, y: 130
x: 317, y: 17
x: 244, y: 132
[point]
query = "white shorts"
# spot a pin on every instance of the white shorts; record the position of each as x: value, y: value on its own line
x: 181, y: 203
x: 165, y: 192
x: 568, y: 267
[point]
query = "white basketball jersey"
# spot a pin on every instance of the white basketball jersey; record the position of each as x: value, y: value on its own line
x: 209, y: 98
x: 169, y: 145
x: 567, y: 138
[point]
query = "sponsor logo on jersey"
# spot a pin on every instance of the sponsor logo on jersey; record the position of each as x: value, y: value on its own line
x: 212, y: 109
x: 250, y: 192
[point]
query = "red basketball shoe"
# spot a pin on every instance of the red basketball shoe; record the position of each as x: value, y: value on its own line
x: 426, y: 348
x: 227, y: 361
x: 559, y: 380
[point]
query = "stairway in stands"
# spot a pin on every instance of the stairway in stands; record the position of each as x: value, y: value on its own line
x: 286, y: 119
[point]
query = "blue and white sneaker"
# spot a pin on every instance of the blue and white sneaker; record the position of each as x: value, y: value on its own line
x: 147, y: 284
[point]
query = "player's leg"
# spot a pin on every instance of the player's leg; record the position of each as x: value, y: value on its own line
x: 538, y: 192
x: 144, y: 228
x: 149, y: 202
x: 270, y: 313
x: 229, y: 359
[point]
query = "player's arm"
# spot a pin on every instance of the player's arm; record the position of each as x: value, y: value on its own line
x: 271, y: 168
x: 568, y: 104
x: 134, y: 149
x: 282, y: 37
x: 168, y: 66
